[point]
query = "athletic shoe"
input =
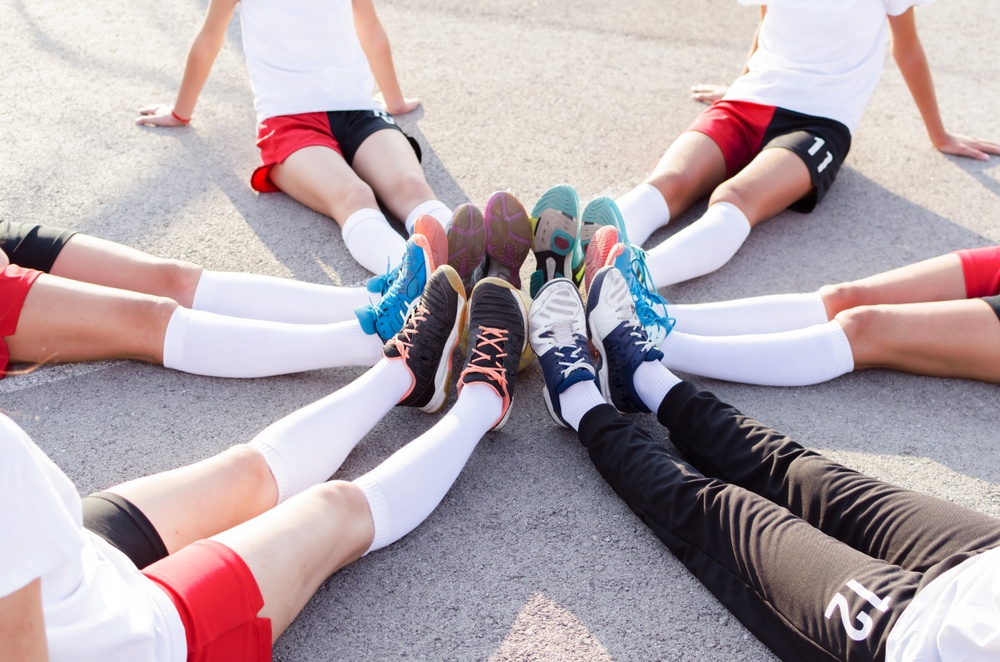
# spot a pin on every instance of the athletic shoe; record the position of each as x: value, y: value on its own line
x: 650, y: 307
x: 466, y: 242
x: 498, y: 329
x: 599, y: 212
x: 386, y: 317
x: 428, y: 339
x: 622, y: 343
x: 508, y: 239
x: 437, y: 239
x: 555, y: 225
x: 599, y: 252
x: 559, y: 338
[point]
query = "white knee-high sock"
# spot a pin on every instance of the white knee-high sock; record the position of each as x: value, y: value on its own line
x: 219, y: 346
x: 308, y: 446
x: 372, y: 241
x: 644, y: 211
x: 701, y: 247
x: 407, y: 487
x: 789, y: 358
x: 577, y: 400
x: 434, y: 208
x: 767, y: 314
x: 276, y: 299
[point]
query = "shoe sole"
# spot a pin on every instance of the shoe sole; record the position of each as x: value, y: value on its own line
x: 556, y: 241
x: 508, y: 237
x: 466, y: 240
x: 598, y: 252
x: 599, y: 212
x: 431, y: 228
x: 442, y: 378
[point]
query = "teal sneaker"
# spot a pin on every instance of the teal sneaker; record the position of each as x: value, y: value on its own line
x: 599, y: 212
x: 555, y: 226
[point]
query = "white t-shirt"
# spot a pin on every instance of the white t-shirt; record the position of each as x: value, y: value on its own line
x: 819, y: 58
x: 97, y: 605
x: 304, y: 56
x: 955, y: 617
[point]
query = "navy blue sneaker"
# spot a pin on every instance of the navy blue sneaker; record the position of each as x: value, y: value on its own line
x: 400, y: 289
x: 559, y: 339
x: 621, y: 342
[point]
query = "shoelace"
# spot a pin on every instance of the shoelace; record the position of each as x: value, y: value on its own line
x: 563, y: 337
x: 389, y: 278
x: 404, y: 338
x: 642, y: 342
x: 646, y: 298
x: 495, y: 371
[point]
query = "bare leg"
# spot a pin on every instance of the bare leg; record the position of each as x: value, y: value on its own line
x: 385, y: 160
x: 690, y: 169
x: 320, y: 178
x: 103, y: 262
x: 66, y: 321
x: 771, y: 182
x: 937, y: 279
x: 942, y: 338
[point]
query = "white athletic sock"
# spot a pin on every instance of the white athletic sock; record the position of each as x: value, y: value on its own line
x: 644, y: 210
x: 789, y: 358
x: 407, y: 487
x: 701, y: 247
x: 652, y: 382
x: 309, y: 445
x: 276, y: 299
x: 434, y: 208
x: 219, y: 346
x: 767, y: 314
x: 372, y: 241
x: 577, y: 400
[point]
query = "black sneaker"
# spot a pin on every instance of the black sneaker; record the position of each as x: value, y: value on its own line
x: 428, y: 338
x: 498, y: 329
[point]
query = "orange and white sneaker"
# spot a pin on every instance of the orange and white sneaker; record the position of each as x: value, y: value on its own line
x: 498, y: 332
x: 604, y: 241
x: 436, y: 236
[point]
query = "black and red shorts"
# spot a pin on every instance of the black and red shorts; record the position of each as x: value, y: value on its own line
x: 981, y: 268
x: 32, y: 246
x: 15, y: 282
x: 743, y: 129
x: 343, y: 131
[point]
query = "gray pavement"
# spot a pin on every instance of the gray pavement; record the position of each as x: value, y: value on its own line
x: 530, y: 556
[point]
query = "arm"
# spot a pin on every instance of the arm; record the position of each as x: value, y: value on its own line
x: 375, y: 43
x: 22, y: 624
x: 200, y: 59
x: 709, y: 93
x: 912, y: 61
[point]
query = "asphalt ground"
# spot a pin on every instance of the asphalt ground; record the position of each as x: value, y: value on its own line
x: 530, y: 556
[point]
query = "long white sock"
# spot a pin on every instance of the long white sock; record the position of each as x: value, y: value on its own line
x: 308, y: 446
x: 407, y: 487
x: 789, y: 358
x: 644, y: 211
x: 434, y: 208
x: 766, y: 314
x: 372, y: 241
x: 701, y: 247
x: 276, y: 299
x: 652, y: 382
x: 577, y: 400
x: 219, y: 346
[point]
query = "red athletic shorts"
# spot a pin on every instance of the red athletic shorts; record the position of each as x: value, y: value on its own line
x: 981, y: 267
x: 218, y: 599
x: 279, y: 137
x: 15, y: 282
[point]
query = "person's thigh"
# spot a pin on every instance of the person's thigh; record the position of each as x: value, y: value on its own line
x: 939, y: 278
x: 941, y: 338
x: 320, y: 178
x: 65, y: 321
x: 772, y: 181
x: 102, y: 262
x: 690, y: 169
x: 387, y: 162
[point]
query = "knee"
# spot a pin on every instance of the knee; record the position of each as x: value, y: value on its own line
x: 176, y: 280
x: 412, y: 187
x: 860, y: 325
x: 676, y: 184
x: 148, y: 318
x: 348, y: 503
x: 735, y: 194
x: 352, y: 196
x: 840, y: 297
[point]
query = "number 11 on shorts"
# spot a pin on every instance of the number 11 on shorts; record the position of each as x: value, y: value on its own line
x: 839, y: 601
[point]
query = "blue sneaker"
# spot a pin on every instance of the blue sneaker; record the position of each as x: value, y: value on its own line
x: 650, y: 307
x: 622, y: 343
x: 559, y: 339
x: 555, y: 225
x: 400, y: 290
